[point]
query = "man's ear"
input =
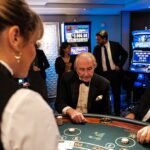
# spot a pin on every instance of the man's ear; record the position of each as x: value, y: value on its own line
x: 14, y: 37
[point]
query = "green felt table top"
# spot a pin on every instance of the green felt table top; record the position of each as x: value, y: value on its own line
x: 96, y: 136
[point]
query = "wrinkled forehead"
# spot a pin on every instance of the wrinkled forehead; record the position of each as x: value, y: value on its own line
x: 85, y: 62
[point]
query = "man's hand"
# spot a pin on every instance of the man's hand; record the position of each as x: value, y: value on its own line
x: 130, y: 116
x: 35, y: 68
x: 117, y: 68
x: 143, y: 135
x: 68, y: 67
x: 76, y: 116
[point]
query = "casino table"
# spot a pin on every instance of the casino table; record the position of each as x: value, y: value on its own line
x: 101, y: 132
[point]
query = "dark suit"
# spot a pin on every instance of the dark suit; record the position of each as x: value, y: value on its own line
x: 37, y: 83
x: 60, y: 67
x: 119, y: 56
x: 42, y: 62
x: 37, y: 78
x: 8, y: 87
x: 68, y: 95
x: 143, y: 106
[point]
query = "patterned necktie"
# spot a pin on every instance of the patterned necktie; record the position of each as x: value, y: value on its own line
x: 107, y: 60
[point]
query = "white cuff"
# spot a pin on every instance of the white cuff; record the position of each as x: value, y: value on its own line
x: 65, y: 109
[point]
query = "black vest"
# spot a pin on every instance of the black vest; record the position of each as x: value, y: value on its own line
x: 8, y: 86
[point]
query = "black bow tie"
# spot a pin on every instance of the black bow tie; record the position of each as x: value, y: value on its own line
x: 86, y: 83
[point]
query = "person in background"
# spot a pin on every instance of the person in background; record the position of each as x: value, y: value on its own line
x: 64, y: 62
x: 36, y: 79
x: 36, y: 82
x: 110, y: 57
x: 143, y: 135
x: 142, y: 112
x: 83, y: 91
x: 40, y: 63
x: 142, y: 109
x: 26, y: 121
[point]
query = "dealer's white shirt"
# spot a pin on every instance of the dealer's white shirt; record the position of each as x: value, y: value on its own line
x: 28, y: 123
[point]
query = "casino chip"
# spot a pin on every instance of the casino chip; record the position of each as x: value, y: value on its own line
x: 59, y: 120
x: 125, y: 140
x: 71, y: 130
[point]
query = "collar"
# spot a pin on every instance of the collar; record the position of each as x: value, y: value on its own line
x: 86, y: 83
x: 7, y: 66
x: 107, y: 44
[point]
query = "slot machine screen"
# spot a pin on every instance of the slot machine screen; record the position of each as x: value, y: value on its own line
x: 140, y: 61
x: 141, y: 56
x: 141, y: 39
x: 77, y: 50
x: 78, y: 35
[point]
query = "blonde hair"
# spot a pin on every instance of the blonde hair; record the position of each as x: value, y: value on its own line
x: 17, y: 12
x: 85, y: 55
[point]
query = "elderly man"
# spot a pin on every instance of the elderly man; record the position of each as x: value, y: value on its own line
x: 83, y: 91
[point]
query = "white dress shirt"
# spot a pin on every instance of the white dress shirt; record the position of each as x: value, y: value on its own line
x: 147, y: 116
x: 112, y: 65
x: 28, y: 123
x: 83, y: 98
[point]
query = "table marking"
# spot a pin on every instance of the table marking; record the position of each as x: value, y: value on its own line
x: 68, y: 145
x: 76, y: 138
x: 77, y: 132
x: 110, y: 145
x: 125, y: 145
x: 62, y: 137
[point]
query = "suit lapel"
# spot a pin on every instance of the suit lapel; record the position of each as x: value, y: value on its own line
x: 92, y: 93
x: 100, y: 57
x: 112, y: 50
x: 75, y: 91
